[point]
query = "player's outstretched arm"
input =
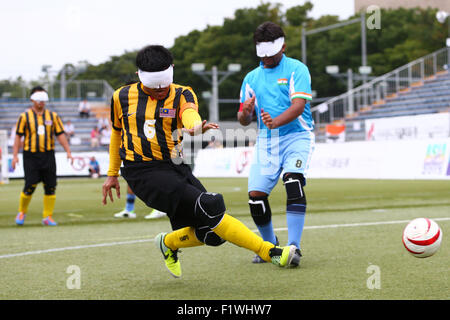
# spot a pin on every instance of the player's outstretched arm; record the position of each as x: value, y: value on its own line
x: 194, y: 125
x: 201, y: 128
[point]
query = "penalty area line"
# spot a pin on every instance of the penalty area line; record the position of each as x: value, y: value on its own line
x: 118, y: 243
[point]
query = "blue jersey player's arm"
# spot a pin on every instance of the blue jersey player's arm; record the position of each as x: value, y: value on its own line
x: 245, y: 113
x: 293, y: 112
x: 247, y: 103
x: 299, y: 93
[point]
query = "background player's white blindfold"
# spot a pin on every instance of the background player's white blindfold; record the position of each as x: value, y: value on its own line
x: 269, y: 48
x: 39, y: 96
x: 158, y: 79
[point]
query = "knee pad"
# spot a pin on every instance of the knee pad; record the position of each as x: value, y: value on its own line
x: 208, y: 237
x: 49, y: 190
x: 260, y: 210
x: 29, y: 189
x: 210, y: 208
x: 294, y: 183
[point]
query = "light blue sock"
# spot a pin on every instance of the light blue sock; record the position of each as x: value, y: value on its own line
x: 295, y: 217
x: 267, y: 233
x: 130, y: 202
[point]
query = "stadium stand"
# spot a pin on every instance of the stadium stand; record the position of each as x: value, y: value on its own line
x: 10, y: 111
x: 419, y: 87
x: 98, y: 92
x: 430, y: 97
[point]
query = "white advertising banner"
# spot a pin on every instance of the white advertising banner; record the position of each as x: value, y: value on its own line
x: 409, y: 159
x: 425, y: 126
x: 223, y: 162
x: 80, y: 166
x: 397, y: 159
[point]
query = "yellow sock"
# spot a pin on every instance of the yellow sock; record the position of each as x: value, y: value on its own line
x: 234, y: 231
x: 49, y: 205
x: 182, y: 238
x: 24, y: 202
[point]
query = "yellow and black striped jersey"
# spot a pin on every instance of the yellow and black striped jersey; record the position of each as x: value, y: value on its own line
x: 151, y: 129
x: 39, y: 130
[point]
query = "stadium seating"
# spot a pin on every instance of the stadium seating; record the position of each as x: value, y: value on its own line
x: 432, y: 96
x: 10, y: 111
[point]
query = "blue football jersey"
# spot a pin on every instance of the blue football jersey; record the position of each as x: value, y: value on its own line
x: 275, y: 88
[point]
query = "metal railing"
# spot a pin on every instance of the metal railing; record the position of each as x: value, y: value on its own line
x: 380, y: 88
x: 79, y: 89
x: 99, y: 90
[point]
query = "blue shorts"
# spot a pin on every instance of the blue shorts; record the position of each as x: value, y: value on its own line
x: 289, y: 153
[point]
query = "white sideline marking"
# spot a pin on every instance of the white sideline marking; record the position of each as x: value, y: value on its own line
x: 110, y: 244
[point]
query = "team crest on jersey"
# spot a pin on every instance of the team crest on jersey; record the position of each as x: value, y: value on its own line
x: 282, y: 81
x: 167, y: 113
x: 48, y: 122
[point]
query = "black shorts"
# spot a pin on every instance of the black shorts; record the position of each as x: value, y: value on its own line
x: 167, y: 187
x: 39, y: 166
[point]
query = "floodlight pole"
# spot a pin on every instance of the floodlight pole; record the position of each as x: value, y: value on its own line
x: 214, y: 117
x: 350, y: 76
x: 64, y: 82
x: 364, y: 52
x: 351, y: 108
x: 304, y: 43
x: 445, y: 16
x: 214, y: 82
x: 361, y: 20
x: 363, y: 40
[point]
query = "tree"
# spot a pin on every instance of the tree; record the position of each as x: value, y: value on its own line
x: 13, y: 89
x: 405, y: 35
x: 298, y: 15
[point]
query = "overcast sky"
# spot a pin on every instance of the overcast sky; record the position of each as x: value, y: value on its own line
x: 53, y: 32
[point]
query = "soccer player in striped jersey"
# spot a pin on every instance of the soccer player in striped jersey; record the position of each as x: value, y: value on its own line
x: 148, y: 118
x: 279, y: 90
x: 39, y: 126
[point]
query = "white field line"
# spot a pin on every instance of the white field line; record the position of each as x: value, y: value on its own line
x: 118, y: 243
x: 359, y: 224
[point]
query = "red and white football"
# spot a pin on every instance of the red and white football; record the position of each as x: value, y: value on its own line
x: 422, y: 237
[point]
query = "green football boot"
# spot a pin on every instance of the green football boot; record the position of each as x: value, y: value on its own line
x: 170, y: 256
x: 288, y: 256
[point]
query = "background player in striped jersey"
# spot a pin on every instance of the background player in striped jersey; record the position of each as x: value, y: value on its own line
x: 39, y: 126
x: 279, y: 90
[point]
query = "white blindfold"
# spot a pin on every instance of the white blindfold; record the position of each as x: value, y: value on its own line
x: 158, y: 79
x: 269, y: 48
x: 39, y: 96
